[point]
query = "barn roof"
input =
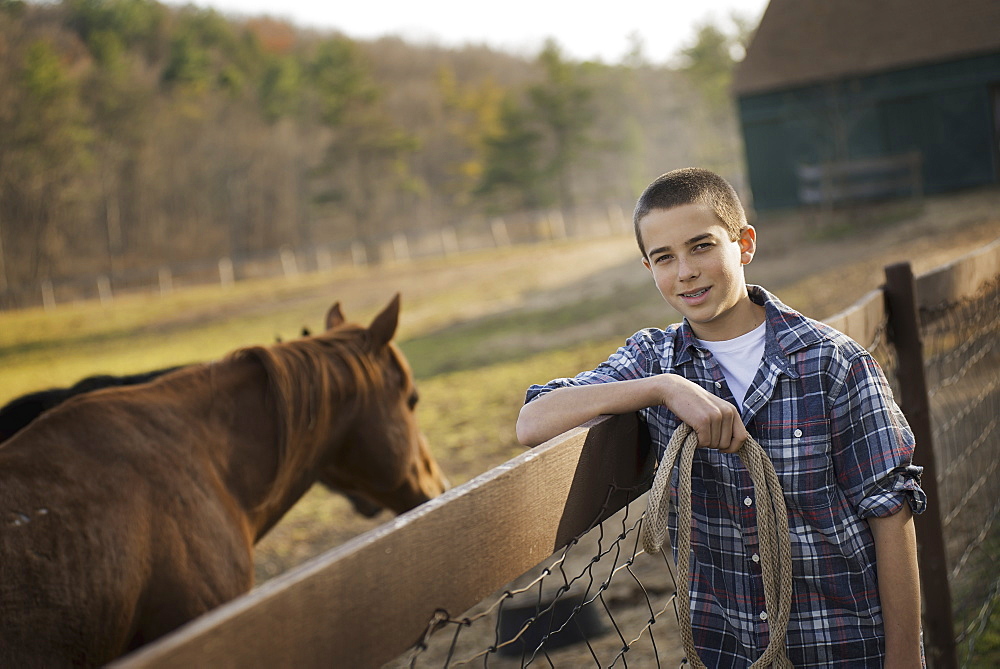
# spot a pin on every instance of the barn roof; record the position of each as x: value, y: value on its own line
x: 800, y: 42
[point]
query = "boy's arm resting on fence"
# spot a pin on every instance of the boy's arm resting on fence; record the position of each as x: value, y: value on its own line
x: 716, y: 421
x: 898, y: 586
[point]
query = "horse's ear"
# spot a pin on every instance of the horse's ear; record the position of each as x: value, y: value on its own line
x: 334, y: 316
x: 384, y: 326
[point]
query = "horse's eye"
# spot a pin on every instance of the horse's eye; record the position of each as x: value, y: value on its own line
x: 412, y: 400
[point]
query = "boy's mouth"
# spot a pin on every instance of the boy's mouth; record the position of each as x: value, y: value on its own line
x: 695, y: 294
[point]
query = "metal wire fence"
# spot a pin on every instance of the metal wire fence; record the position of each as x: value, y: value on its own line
x: 962, y: 368
x: 600, y: 601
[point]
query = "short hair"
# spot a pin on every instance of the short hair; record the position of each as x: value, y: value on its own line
x: 692, y: 185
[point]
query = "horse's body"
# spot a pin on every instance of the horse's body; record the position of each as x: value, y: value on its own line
x: 128, y: 511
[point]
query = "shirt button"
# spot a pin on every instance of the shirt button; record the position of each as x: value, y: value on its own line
x: 748, y: 501
x: 755, y: 557
x: 797, y: 433
x: 763, y: 615
x: 718, y: 384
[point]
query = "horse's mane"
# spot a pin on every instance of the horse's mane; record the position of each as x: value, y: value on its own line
x: 310, y: 382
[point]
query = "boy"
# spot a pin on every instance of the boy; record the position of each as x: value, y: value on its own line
x: 742, y: 362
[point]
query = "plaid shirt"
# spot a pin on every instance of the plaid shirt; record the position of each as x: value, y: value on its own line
x: 821, y: 408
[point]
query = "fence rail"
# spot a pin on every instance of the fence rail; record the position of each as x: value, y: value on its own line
x: 379, y: 599
x: 884, y: 177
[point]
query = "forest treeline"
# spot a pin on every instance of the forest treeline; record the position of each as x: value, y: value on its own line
x: 133, y: 134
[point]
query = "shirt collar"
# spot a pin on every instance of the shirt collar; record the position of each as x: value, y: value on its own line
x: 788, y: 331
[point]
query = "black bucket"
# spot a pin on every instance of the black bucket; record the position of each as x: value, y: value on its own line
x: 566, y: 622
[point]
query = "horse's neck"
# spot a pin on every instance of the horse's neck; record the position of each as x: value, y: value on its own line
x: 244, y: 431
x: 249, y: 461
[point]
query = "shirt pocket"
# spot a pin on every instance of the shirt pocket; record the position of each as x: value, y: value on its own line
x: 804, y: 465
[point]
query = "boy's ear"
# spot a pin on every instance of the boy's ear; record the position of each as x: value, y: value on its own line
x: 748, y: 244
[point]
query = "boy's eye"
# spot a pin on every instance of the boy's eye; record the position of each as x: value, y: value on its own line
x: 702, y: 246
x: 663, y: 258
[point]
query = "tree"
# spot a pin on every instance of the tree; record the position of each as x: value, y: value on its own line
x: 44, y: 159
x: 530, y: 162
x: 474, y: 115
x: 708, y: 64
x: 365, y: 171
x: 513, y: 178
x: 562, y: 105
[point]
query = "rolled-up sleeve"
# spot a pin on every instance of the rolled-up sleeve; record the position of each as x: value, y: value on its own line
x: 873, y: 444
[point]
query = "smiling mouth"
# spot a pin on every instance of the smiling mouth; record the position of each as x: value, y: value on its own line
x: 697, y: 293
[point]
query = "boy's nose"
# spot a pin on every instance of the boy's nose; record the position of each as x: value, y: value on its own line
x: 686, y: 270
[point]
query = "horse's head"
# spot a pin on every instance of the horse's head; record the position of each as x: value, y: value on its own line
x: 384, y: 460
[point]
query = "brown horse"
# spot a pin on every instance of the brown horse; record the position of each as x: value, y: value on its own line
x: 128, y: 511
x: 18, y: 413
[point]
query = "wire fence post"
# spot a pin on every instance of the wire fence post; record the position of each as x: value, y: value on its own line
x: 904, y: 330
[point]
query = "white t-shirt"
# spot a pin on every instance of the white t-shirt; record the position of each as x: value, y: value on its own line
x: 739, y: 359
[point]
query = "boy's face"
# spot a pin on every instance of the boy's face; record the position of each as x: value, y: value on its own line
x: 699, y: 270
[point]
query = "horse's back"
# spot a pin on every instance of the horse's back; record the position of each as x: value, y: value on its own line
x: 108, y: 531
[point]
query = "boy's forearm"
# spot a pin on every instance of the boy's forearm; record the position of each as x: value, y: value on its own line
x: 565, y: 408
x: 899, y: 587
x: 715, y: 421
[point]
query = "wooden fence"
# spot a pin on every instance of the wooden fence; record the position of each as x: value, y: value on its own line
x: 368, y: 601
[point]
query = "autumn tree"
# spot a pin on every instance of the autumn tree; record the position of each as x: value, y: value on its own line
x: 44, y: 159
x: 474, y: 116
x: 365, y: 170
x: 514, y: 176
x: 708, y: 63
x: 562, y: 106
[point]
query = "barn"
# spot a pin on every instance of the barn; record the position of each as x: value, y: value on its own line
x: 843, y: 100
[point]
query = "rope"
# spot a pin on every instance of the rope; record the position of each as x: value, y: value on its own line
x: 775, y: 544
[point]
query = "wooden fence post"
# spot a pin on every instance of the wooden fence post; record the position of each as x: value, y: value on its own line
x: 289, y: 264
x: 449, y: 241
x: 904, y: 329
x: 104, y: 290
x: 226, y: 274
x: 166, y: 280
x: 48, y: 295
x: 499, y: 230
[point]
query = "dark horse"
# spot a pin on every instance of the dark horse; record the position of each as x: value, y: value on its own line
x: 126, y: 512
x: 19, y: 412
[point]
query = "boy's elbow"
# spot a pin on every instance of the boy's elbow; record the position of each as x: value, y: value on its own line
x: 526, y: 430
x: 524, y: 435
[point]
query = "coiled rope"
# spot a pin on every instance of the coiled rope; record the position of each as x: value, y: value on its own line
x: 774, y: 550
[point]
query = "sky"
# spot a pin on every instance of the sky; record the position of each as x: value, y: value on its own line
x: 585, y: 30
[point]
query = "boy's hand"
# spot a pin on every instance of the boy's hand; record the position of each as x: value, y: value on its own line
x: 716, y: 421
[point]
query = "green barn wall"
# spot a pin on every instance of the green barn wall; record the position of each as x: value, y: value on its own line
x: 943, y: 110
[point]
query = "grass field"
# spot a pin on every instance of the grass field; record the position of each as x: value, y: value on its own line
x: 477, y: 329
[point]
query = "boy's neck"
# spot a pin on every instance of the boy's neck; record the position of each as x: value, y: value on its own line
x: 744, y: 317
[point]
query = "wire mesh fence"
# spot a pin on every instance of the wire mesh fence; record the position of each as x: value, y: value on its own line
x: 962, y: 367
x: 600, y: 601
